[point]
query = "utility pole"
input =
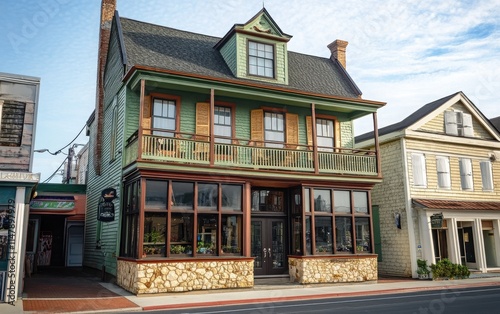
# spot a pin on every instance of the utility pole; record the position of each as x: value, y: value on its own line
x: 71, y: 153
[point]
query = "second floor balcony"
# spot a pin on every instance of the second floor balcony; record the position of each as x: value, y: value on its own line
x: 188, y: 149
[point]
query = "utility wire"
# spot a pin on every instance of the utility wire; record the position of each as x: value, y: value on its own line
x: 55, y: 172
x: 60, y: 150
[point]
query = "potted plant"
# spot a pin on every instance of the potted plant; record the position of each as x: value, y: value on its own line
x: 423, y: 270
x: 177, y: 249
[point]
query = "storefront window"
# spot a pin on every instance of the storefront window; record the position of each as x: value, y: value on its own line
x: 360, y: 202
x: 154, y: 234
x: 232, y: 234
x: 207, y: 234
x: 231, y: 197
x: 342, y: 201
x: 156, y: 194
x: 323, y: 234
x: 343, y: 231
x: 208, y: 196
x: 322, y: 200
x: 181, y: 234
x: 182, y: 195
x: 308, y: 236
x: 363, y: 238
x: 307, y: 200
x: 130, y: 226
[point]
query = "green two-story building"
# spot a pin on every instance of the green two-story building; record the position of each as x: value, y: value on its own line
x: 232, y: 159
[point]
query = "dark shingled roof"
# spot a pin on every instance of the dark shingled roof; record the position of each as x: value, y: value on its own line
x: 495, y: 122
x: 456, y: 205
x: 175, y: 50
x: 411, y: 119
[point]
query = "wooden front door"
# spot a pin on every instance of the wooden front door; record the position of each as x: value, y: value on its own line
x: 269, y: 246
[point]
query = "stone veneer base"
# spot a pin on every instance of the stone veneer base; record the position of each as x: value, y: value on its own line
x: 330, y: 269
x: 143, y: 277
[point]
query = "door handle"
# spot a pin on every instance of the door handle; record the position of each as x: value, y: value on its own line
x: 265, y: 252
x: 269, y: 251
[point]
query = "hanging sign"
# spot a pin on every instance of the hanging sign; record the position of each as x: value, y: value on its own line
x: 106, y: 208
x: 437, y: 221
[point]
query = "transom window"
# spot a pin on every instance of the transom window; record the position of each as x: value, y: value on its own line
x: 260, y: 59
x: 274, y: 129
x: 222, y: 124
x: 164, y: 117
x: 325, y: 134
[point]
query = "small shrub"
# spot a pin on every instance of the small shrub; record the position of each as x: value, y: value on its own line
x: 446, y: 269
x: 422, y: 269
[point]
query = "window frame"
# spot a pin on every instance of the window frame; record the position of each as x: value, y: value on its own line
x: 466, y: 179
x: 486, y: 176
x: 275, y: 143
x: 311, y: 216
x: 177, y: 105
x: 232, y: 108
x: 114, y: 130
x: 445, y: 173
x: 419, y: 179
x: 257, y: 58
x: 458, y: 123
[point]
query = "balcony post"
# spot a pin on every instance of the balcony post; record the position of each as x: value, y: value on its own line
x: 141, y: 117
x: 314, y: 139
x: 377, y: 146
x: 211, y: 123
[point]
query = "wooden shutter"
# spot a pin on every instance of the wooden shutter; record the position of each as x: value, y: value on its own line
x: 202, y: 121
x: 443, y: 171
x: 257, y: 126
x: 292, y: 130
x: 419, y: 175
x: 450, y: 123
x: 146, y: 115
x: 486, y: 175
x: 467, y: 125
x: 466, y: 174
x: 309, y: 131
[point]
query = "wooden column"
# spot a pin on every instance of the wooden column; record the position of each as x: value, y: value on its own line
x: 211, y: 123
x: 141, y: 117
x: 377, y: 146
x: 314, y: 139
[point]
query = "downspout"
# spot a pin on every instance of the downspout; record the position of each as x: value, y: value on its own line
x: 409, y: 211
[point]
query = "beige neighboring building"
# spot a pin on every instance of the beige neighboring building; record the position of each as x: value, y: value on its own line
x: 444, y: 159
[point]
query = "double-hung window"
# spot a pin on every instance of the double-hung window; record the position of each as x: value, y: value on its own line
x: 164, y: 115
x: 325, y: 136
x: 260, y: 59
x: 222, y: 124
x: 443, y: 172
x: 274, y: 129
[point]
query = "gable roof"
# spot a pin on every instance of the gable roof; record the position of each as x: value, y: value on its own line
x: 166, y: 48
x: 408, y: 121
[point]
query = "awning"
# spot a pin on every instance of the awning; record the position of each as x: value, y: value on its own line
x: 53, y: 203
x: 455, y: 205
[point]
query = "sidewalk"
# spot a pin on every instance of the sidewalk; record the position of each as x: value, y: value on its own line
x: 112, y: 298
x: 279, y: 293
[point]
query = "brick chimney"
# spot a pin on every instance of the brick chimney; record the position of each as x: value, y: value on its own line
x: 107, y: 12
x: 338, y: 51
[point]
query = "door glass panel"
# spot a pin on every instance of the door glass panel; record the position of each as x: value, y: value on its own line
x: 257, y: 243
x: 278, y: 244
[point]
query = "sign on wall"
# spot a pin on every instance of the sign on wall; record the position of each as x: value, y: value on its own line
x: 437, y: 221
x: 106, y: 208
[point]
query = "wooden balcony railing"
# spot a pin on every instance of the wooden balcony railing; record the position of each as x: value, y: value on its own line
x: 190, y: 151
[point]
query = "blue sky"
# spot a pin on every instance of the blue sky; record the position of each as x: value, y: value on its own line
x: 405, y: 53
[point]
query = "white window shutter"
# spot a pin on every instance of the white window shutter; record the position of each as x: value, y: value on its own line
x: 419, y: 175
x: 486, y: 175
x: 450, y: 123
x: 467, y: 125
x: 466, y: 174
x: 443, y: 172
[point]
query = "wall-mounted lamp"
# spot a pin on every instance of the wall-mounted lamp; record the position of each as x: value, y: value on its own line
x: 397, y: 220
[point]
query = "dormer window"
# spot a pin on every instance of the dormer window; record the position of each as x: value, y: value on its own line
x: 458, y: 123
x: 260, y: 59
